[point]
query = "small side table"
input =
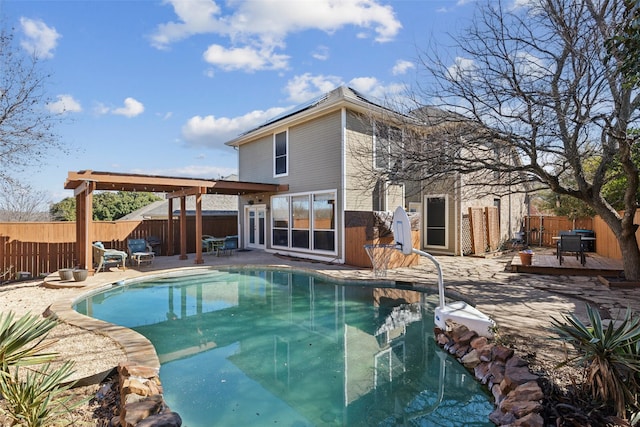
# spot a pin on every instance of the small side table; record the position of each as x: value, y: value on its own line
x: 142, y: 257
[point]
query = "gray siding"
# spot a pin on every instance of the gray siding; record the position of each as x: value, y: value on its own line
x: 315, y: 160
x: 255, y: 161
x: 358, y: 146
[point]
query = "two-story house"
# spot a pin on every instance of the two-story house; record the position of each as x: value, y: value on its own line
x: 324, y: 150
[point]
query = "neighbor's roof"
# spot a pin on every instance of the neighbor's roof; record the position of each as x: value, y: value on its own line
x: 212, y: 205
x: 338, y: 98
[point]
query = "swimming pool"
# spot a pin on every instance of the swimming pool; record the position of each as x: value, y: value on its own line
x: 280, y: 347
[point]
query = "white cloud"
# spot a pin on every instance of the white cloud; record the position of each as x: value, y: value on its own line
x: 307, y: 86
x: 321, y: 53
x: 64, y: 104
x: 40, y: 39
x: 370, y: 86
x: 211, y: 131
x: 257, y: 28
x: 461, y: 68
x: 402, y: 66
x: 530, y: 66
x: 165, y: 116
x: 100, y: 109
x: 131, y: 108
x: 245, y: 58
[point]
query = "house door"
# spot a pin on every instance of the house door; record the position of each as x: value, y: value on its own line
x: 255, y: 226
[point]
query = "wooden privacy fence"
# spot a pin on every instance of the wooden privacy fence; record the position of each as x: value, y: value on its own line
x: 44, y: 247
x: 541, y: 230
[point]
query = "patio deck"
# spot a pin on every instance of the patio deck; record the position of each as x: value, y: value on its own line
x: 545, y: 262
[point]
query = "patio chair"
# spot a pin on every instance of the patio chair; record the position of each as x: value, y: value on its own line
x: 210, y: 244
x: 229, y: 246
x: 102, y: 257
x: 140, y: 251
x: 562, y: 233
x: 571, y: 243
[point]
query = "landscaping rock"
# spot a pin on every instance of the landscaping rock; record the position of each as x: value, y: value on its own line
x: 515, y: 389
x: 167, y: 419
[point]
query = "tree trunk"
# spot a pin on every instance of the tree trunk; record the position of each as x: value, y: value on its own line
x: 630, y: 254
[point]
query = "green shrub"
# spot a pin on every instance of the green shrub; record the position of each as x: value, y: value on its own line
x: 609, y: 356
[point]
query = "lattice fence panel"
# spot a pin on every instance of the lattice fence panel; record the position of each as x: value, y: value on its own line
x: 467, y: 247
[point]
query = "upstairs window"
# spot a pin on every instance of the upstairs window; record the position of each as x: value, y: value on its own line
x: 387, y: 139
x: 280, y: 151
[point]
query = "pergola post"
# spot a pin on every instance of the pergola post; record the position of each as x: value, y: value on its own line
x: 183, y: 227
x: 170, y: 227
x: 84, y: 225
x: 199, y: 259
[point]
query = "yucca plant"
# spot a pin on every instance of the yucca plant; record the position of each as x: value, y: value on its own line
x: 38, y: 398
x: 609, y: 356
x: 22, y: 340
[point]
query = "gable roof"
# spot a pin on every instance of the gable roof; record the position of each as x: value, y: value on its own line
x: 336, y: 99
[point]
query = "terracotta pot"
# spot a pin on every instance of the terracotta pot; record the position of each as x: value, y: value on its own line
x: 80, y: 275
x: 526, y: 258
x: 65, y: 273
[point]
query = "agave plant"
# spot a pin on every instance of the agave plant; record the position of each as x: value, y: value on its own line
x: 609, y: 355
x: 22, y: 340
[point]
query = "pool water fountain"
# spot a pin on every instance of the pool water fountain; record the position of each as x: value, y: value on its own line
x: 457, y: 311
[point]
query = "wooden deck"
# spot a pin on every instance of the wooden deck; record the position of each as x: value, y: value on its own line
x: 547, y: 263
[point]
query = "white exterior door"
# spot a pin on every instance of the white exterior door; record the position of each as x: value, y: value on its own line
x: 255, y: 226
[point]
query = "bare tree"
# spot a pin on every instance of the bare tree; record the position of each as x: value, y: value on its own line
x: 528, y: 99
x: 26, y: 125
x: 21, y: 203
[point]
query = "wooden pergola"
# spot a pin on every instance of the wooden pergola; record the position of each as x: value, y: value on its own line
x: 85, y: 182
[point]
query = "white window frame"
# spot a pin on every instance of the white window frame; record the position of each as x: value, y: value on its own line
x: 286, y: 156
x: 446, y: 220
x: 312, y: 228
x: 389, y: 130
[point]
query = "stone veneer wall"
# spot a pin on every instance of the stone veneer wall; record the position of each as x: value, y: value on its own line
x: 518, y: 396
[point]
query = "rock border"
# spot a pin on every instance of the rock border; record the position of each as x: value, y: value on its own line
x: 515, y: 389
x: 141, y: 400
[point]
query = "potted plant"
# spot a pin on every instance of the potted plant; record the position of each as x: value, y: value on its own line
x: 526, y: 257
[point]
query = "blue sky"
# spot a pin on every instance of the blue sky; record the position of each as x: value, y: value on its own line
x: 157, y: 87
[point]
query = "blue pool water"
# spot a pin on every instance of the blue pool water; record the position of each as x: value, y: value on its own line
x: 268, y: 347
